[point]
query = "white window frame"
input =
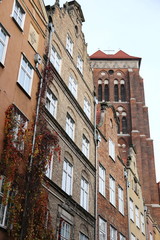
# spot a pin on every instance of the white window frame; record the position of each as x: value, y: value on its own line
x: 3, y: 43
x: 102, y: 179
x: 73, y: 86
x: 80, y: 63
x: 142, y: 224
x: 20, y: 12
x: 121, y: 200
x: 70, y: 126
x: 21, y: 123
x: 137, y: 216
x: 131, y: 209
x: 67, y: 177
x: 55, y: 59
x: 51, y: 102
x: 150, y: 236
x: 49, y: 169
x: 113, y: 233
x: 65, y: 229
x: 82, y: 236
x: 69, y: 44
x: 3, y: 209
x: 87, y: 107
x: 85, y: 146
x: 121, y: 237
x: 25, y: 80
x: 84, y: 201
x: 111, y: 149
x: 133, y: 237
x: 102, y: 229
x: 112, y: 190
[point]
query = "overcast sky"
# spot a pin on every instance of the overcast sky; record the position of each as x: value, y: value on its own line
x: 134, y: 27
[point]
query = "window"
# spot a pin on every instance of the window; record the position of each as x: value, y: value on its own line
x: 133, y: 237
x: 3, y: 43
x: 70, y: 126
x: 20, y: 125
x: 87, y: 108
x: 73, y: 86
x: 69, y: 44
x: 100, y: 92
x: 150, y: 236
x: 123, y: 93
x: 25, y: 75
x: 83, y: 237
x: 124, y: 125
x: 121, y: 237
x: 131, y: 210
x: 51, y: 102
x: 80, y: 64
x: 113, y: 233
x: 67, y: 177
x: 116, y: 95
x: 85, y: 146
x: 106, y: 92
x: 111, y: 149
x: 65, y: 230
x: 137, y: 217
x: 84, y: 194
x: 102, y: 180
x: 48, y: 172
x: 3, y: 209
x: 120, y: 200
x: 142, y: 223
x: 18, y: 14
x: 112, y: 190
x: 55, y: 59
x: 102, y: 229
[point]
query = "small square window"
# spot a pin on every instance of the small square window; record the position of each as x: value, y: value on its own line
x: 18, y: 14
x: 84, y: 193
x: 87, y: 107
x: 73, y: 86
x: 25, y: 75
x: 51, y: 102
x: 69, y: 44
x: 85, y: 146
x: 111, y: 149
x: 70, y: 126
x: 80, y: 64
x: 3, y: 43
x: 55, y: 59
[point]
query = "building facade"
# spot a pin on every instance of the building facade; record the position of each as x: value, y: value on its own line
x: 117, y: 81
x: 112, y: 211
x: 136, y: 213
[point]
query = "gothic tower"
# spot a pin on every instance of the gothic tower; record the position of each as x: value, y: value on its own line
x: 117, y: 81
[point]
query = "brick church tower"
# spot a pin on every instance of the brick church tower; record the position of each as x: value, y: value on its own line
x: 117, y: 81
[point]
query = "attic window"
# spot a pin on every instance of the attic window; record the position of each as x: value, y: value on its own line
x: 110, y: 72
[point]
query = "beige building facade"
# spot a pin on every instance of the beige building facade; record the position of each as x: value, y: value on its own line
x: 136, y: 213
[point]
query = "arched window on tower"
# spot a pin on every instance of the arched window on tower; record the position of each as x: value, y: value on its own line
x: 124, y: 125
x: 116, y: 95
x: 123, y: 91
x: 100, y: 90
x: 106, y: 90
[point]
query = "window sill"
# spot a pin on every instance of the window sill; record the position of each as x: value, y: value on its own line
x: 23, y: 90
x: 112, y: 159
x: 113, y: 205
x: 102, y: 195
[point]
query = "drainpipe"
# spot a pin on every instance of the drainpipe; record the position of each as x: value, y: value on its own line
x: 128, y: 200
x: 37, y: 61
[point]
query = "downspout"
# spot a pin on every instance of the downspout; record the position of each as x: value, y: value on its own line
x: 96, y: 164
x: 128, y: 200
x: 51, y: 29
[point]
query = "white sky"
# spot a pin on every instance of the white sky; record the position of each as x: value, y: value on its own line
x: 134, y: 27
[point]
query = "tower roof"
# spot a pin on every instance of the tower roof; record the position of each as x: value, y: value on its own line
x: 119, y: 55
